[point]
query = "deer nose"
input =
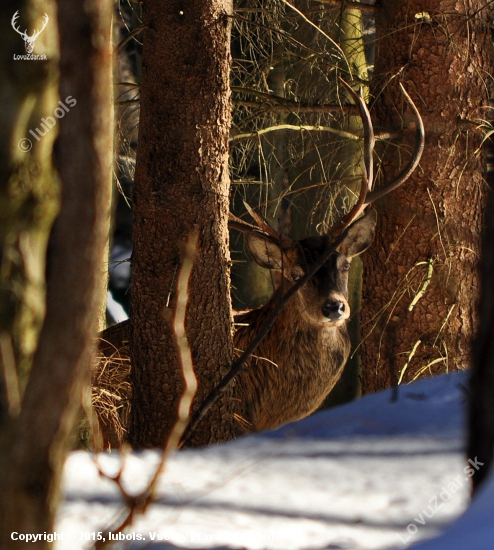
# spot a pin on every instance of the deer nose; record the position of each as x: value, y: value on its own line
x: 334, y: 310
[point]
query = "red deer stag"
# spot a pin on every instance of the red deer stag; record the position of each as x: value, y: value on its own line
x: 298, y: 363
x: 303, y: 355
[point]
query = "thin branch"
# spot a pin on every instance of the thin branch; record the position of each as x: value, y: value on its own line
x: 307, y: 128
x: 307, y: 20
x: 425, y: 284
x: 409, y: 358
x: 283, y: 33
x: 278, y: 102
x: 183, y: 344
x: 294, y: 107
x: 130, y: 36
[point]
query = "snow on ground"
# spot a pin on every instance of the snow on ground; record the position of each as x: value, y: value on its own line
x: 370, y: 474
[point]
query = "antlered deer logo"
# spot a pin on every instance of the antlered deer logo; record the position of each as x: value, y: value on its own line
x: 29, y: 40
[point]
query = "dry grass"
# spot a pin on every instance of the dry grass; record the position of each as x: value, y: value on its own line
x: 111, y: 393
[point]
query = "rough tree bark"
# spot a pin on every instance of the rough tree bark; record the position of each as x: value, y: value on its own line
x: 181, y: 184
x: 34, y: 446
x: 420, y: 277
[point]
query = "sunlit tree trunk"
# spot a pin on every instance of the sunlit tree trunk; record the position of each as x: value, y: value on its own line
x: 181, y: 185
x: 352, y: 43
x: 420, y: 278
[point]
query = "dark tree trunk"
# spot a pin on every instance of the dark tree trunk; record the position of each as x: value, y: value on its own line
x: 421, y: 281
x: 481, y: 421
x: 33, y: 451
x: 181, y: 185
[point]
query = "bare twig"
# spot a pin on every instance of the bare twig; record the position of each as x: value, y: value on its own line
x: 307, y: 20
x: 282, y: 33
x: 425, y: 284
x: 183, y: 345
x: 137, y: 505
x: 301, y: 127
x: 130, y: 36
x: 279, y: 102
x: 409, y: 358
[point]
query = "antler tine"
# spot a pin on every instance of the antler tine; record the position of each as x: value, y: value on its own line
x: 45, y: 22
x: 262, y: 227
x: 262, y: 223
x: 412, y: 164
x: 14, y: 23
x: 237, y: 223
x: 368, y: 161
x: 369, y: 139
x: 285, y: 241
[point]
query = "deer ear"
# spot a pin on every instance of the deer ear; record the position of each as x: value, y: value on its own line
x: 359, y: 236
x: 265, y: 251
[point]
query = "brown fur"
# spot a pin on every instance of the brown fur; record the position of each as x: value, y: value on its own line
x: 293, y: 370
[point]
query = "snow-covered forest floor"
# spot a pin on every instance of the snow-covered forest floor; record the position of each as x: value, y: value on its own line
x: 370, y: 474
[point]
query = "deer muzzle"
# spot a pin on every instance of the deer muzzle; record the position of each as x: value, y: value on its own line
x: 336, y: 309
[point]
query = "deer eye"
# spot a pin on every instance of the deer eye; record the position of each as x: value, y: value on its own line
x: 297, y: 274
x: 345, y: 266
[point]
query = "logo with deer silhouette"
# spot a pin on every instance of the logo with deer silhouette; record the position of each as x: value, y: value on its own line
x: 29, y: 41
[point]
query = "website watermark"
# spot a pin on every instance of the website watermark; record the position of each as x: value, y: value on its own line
x: 29, y: 40
x: 437, y: 501
x: 46, y: 124
x: 30, y: 57
x: 240, y: 538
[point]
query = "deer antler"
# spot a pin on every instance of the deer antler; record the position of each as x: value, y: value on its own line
x: 28, y: 40
x: 237, y: 223
x: 368, y: 161
x: 413, y: 162
x: 14, y: 22
x: 261, y: 222
x: 262, y: 227
x: 367, y: 195
x: 37, y: 33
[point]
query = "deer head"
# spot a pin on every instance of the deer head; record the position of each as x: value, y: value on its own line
x: 324, y: 296
x: 28, y: 40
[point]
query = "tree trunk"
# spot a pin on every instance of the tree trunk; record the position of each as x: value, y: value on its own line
x: 351, y: 41
x: 481, y: 402
x: 28, y: 195
x: 33, y: 451
x: 181, y: 185
x: 421, y: 281
x: 481, y: 421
